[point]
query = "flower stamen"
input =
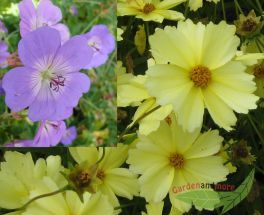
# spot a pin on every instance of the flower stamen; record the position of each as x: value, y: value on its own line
x: 100, y: 174
x: 176, y: 160
x: 55, y: 83
x: 201, y: 76
x: 259, y: 70
x: 148, y: 8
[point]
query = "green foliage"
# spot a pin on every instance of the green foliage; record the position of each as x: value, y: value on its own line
x: 230, y: 199
x: 95, y: 116
x: 201, y: 199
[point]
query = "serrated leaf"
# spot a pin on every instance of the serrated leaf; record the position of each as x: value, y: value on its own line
x: 200, y: 198
x: 231, y: 199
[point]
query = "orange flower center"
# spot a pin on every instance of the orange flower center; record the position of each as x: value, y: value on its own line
x: 148, y: 8
x: 201, y: 76
x: 176, y: 160
x: 100, y: 174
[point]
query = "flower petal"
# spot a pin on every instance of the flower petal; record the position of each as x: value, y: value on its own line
x: 38, y: 48
x: 27, y: 15
x: 48, y: 13
x: 64, y: 32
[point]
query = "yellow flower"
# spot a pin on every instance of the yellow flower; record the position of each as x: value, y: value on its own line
x: 119, y: 34
x: 202, y: 74
x: 19, y: 176
x: 156, y: 209
x: 130, y: 89
x: 196, y: 4
x: 150, y: 10
x: 226, y: 158
x: 67, y: 203
x: 114, y: 180
x: 171, y: 157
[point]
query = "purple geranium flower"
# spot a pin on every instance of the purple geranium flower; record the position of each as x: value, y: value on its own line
x: 20, y: 143
x: 69, y: 136
x: 102, y: 42
x: 3, y: 55
x: 46, y: 14
x: 49, y: 133
x: 50, y: 83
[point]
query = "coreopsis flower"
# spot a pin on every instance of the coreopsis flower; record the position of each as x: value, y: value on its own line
x: 113, y: 180
x: 225, y: 153
x: 46, y: 14
x: 171, y: 157
x: 196, y: 4
x: 68, y: 202
x: 49, y: 83
x: 150, y: 10
x: 202, y: 73
x: 69, y: 135
x: 157, y: 208
x: 241, y: 152
x: 3, y: 55
x: 249, y: 25
x: 119, y: 33
x: 19, y: 177
x: 102, y: 42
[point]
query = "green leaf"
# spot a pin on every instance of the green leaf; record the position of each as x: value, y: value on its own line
x: 201, y: 198
x: 231, y: 199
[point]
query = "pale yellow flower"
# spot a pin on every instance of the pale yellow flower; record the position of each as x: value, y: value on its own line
x: 171, y: 157
x: 196, y: 4
x: 114, y: 180
x: 202, y: 73
x: 150, y: 10
x: 19, y: 176
x: 67, y: 203
x: 157, y: 208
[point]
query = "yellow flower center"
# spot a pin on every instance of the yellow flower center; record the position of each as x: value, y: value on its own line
x: 100, y: 174
x: 148, y: 8
x: 249, y: 25
x: 259, y: 71
x: 201, y: 76
x: 176, y: 160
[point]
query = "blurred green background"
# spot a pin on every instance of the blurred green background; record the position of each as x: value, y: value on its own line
x: 95, y: 116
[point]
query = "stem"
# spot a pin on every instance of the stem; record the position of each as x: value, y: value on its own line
x: 186, y: 11
x: 40, y: 197
x: 101, y: 158
x: 259, y: 6
x: 137, y: 121
x: 223, y: 9
x: 256, y: 129
x: 239, y: 8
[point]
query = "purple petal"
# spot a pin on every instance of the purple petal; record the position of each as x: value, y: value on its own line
x: 49, y: 133
x: 102, y: 42
x: 48, y: 13
x: 20, y: 87
x: 73, y: 55
x: 2, y: 27
x: 28, y: 16
x: 20, y: 143
x: 38, y: 48
x: 3, y: 55
x: 64, y: 32
x: 2, y: 91
x: 69, y: 136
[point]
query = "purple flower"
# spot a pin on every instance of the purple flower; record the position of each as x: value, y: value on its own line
x: 3, y: 55
x: 69, y: 136
x: 3, y: 29
x: 2, y: 92
x: 50, y: 83
x: 49, y: 133
x: 20, y: 143
x: 46, y: 14
x: 102, y: 42
x: 73, y: 10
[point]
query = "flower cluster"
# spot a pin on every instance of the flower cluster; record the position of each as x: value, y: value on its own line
x: 186, y: 87
x: 48, y: 82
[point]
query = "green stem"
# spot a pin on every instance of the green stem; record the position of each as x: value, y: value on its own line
x: 137, y: 121
x: 256, y: 129
x: 259, y: 169
x: 259, y: 6
x: 239, y: 8
x: 223, y: 9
